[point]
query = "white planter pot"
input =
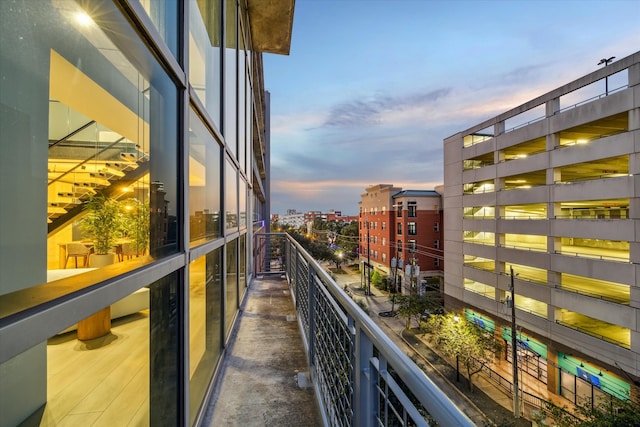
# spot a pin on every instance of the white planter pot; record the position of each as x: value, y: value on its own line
x: 97, y: 261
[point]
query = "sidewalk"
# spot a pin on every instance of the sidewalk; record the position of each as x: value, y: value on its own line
x: 492, y: 400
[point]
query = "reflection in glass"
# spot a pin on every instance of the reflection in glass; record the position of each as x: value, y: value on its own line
x: 232, y: 284
x: 205, y: 324
x: 204, y: 183
x: 164, y: 15
x: 231, y: 77
x: 231, y: 196
x: 205, y: 54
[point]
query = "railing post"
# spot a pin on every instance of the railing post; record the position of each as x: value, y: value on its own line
x: 312, y: 328
x: 365, y: 380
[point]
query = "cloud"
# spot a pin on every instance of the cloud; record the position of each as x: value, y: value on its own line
x: 358, y: 113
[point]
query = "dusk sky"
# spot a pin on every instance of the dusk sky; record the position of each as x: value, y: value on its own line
x: 371, y: 88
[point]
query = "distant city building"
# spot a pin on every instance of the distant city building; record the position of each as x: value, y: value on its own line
x: 400, y: 235
x: 548, y: 191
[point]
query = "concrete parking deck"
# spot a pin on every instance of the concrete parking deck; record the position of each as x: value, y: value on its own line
x: 264, y: 379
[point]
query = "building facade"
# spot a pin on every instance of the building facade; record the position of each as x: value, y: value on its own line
x: 142, y: 126
x: 400, y: 234
x: 545, y: 198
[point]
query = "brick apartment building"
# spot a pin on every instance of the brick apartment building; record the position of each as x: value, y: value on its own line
x: 404, y: 225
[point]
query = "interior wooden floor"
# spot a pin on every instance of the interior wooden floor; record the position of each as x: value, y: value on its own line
x: 100, y: 382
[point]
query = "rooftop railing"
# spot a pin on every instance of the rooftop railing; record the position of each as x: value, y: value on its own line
x: 360, y: 377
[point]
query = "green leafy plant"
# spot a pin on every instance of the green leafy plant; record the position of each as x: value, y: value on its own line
x: 102, y: 223
x: 135, y: 224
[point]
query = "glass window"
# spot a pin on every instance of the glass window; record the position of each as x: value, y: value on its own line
x: 104, y: 116
x: 205, y: 324
x: 412, y: 209
x: 204, y: 183
x: 399, y: 246
x: 399, y: 228
x: 205, y: 54
x: 412, y: 246
x: 231, y: 302
x: 399, y: 210
x: 231, y: 77
x: 231, y: 196
x: 411, y: 228
x: 242, y: 201
x: 112, y: 379
x: 242, y: 276
x: 164, y: 15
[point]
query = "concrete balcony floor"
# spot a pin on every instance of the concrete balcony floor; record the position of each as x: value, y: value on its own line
x: 264, y: 378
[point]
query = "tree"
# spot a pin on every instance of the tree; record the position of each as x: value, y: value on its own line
x: 412, y: 306
x: 472, y: 346
x: 606, y: 412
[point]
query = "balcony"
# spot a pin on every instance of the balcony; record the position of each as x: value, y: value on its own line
x: 299, y: 329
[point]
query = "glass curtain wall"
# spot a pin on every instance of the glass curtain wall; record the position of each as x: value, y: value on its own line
x: 92, y: 144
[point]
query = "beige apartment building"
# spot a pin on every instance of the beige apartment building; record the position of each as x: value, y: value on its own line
x: 551, y: 191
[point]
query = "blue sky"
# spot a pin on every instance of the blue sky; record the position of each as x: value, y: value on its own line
x: 372, y: 87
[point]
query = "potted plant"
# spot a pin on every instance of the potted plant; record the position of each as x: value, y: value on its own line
x: 102, y: 225
x: 135, y: 225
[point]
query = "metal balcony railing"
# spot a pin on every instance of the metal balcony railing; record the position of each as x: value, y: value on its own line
x: 360, y: 377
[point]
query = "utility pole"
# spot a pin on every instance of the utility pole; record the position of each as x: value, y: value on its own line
x: 514, y: 350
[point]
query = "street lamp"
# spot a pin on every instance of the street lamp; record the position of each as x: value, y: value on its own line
x: 606, y: 61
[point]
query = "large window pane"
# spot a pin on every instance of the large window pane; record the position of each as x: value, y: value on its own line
x: 127, y: 377
x: 231, y: 303
x: 205, y: 53
x: 231, y: 196
x: 205, y: 324
x: 231, y: 77
x: 96, y: 118
x: 204, y: 183
x: 111, y: 147
x: 164, y: 14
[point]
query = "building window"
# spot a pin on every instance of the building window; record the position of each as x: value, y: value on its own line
x: 399, y: 210
x: 436, y: 244
x: 411, y: 229
x: 399, y: 228
x: 384, y: 257
x: 436, y: 262
x: 412, y: 209
x: 412, y: 246
x: 384, y: 241
x: 436, y: 226
x: 204, y: 210
x: 384, y: 225
x: 399, y: 247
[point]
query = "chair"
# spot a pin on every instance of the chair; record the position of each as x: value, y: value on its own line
x: 77, y: 250
x: 128, y: 250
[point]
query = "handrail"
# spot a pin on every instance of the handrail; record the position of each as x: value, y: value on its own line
x: 311, y: 286
x: 86, y: 160
x: 75, y: 132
